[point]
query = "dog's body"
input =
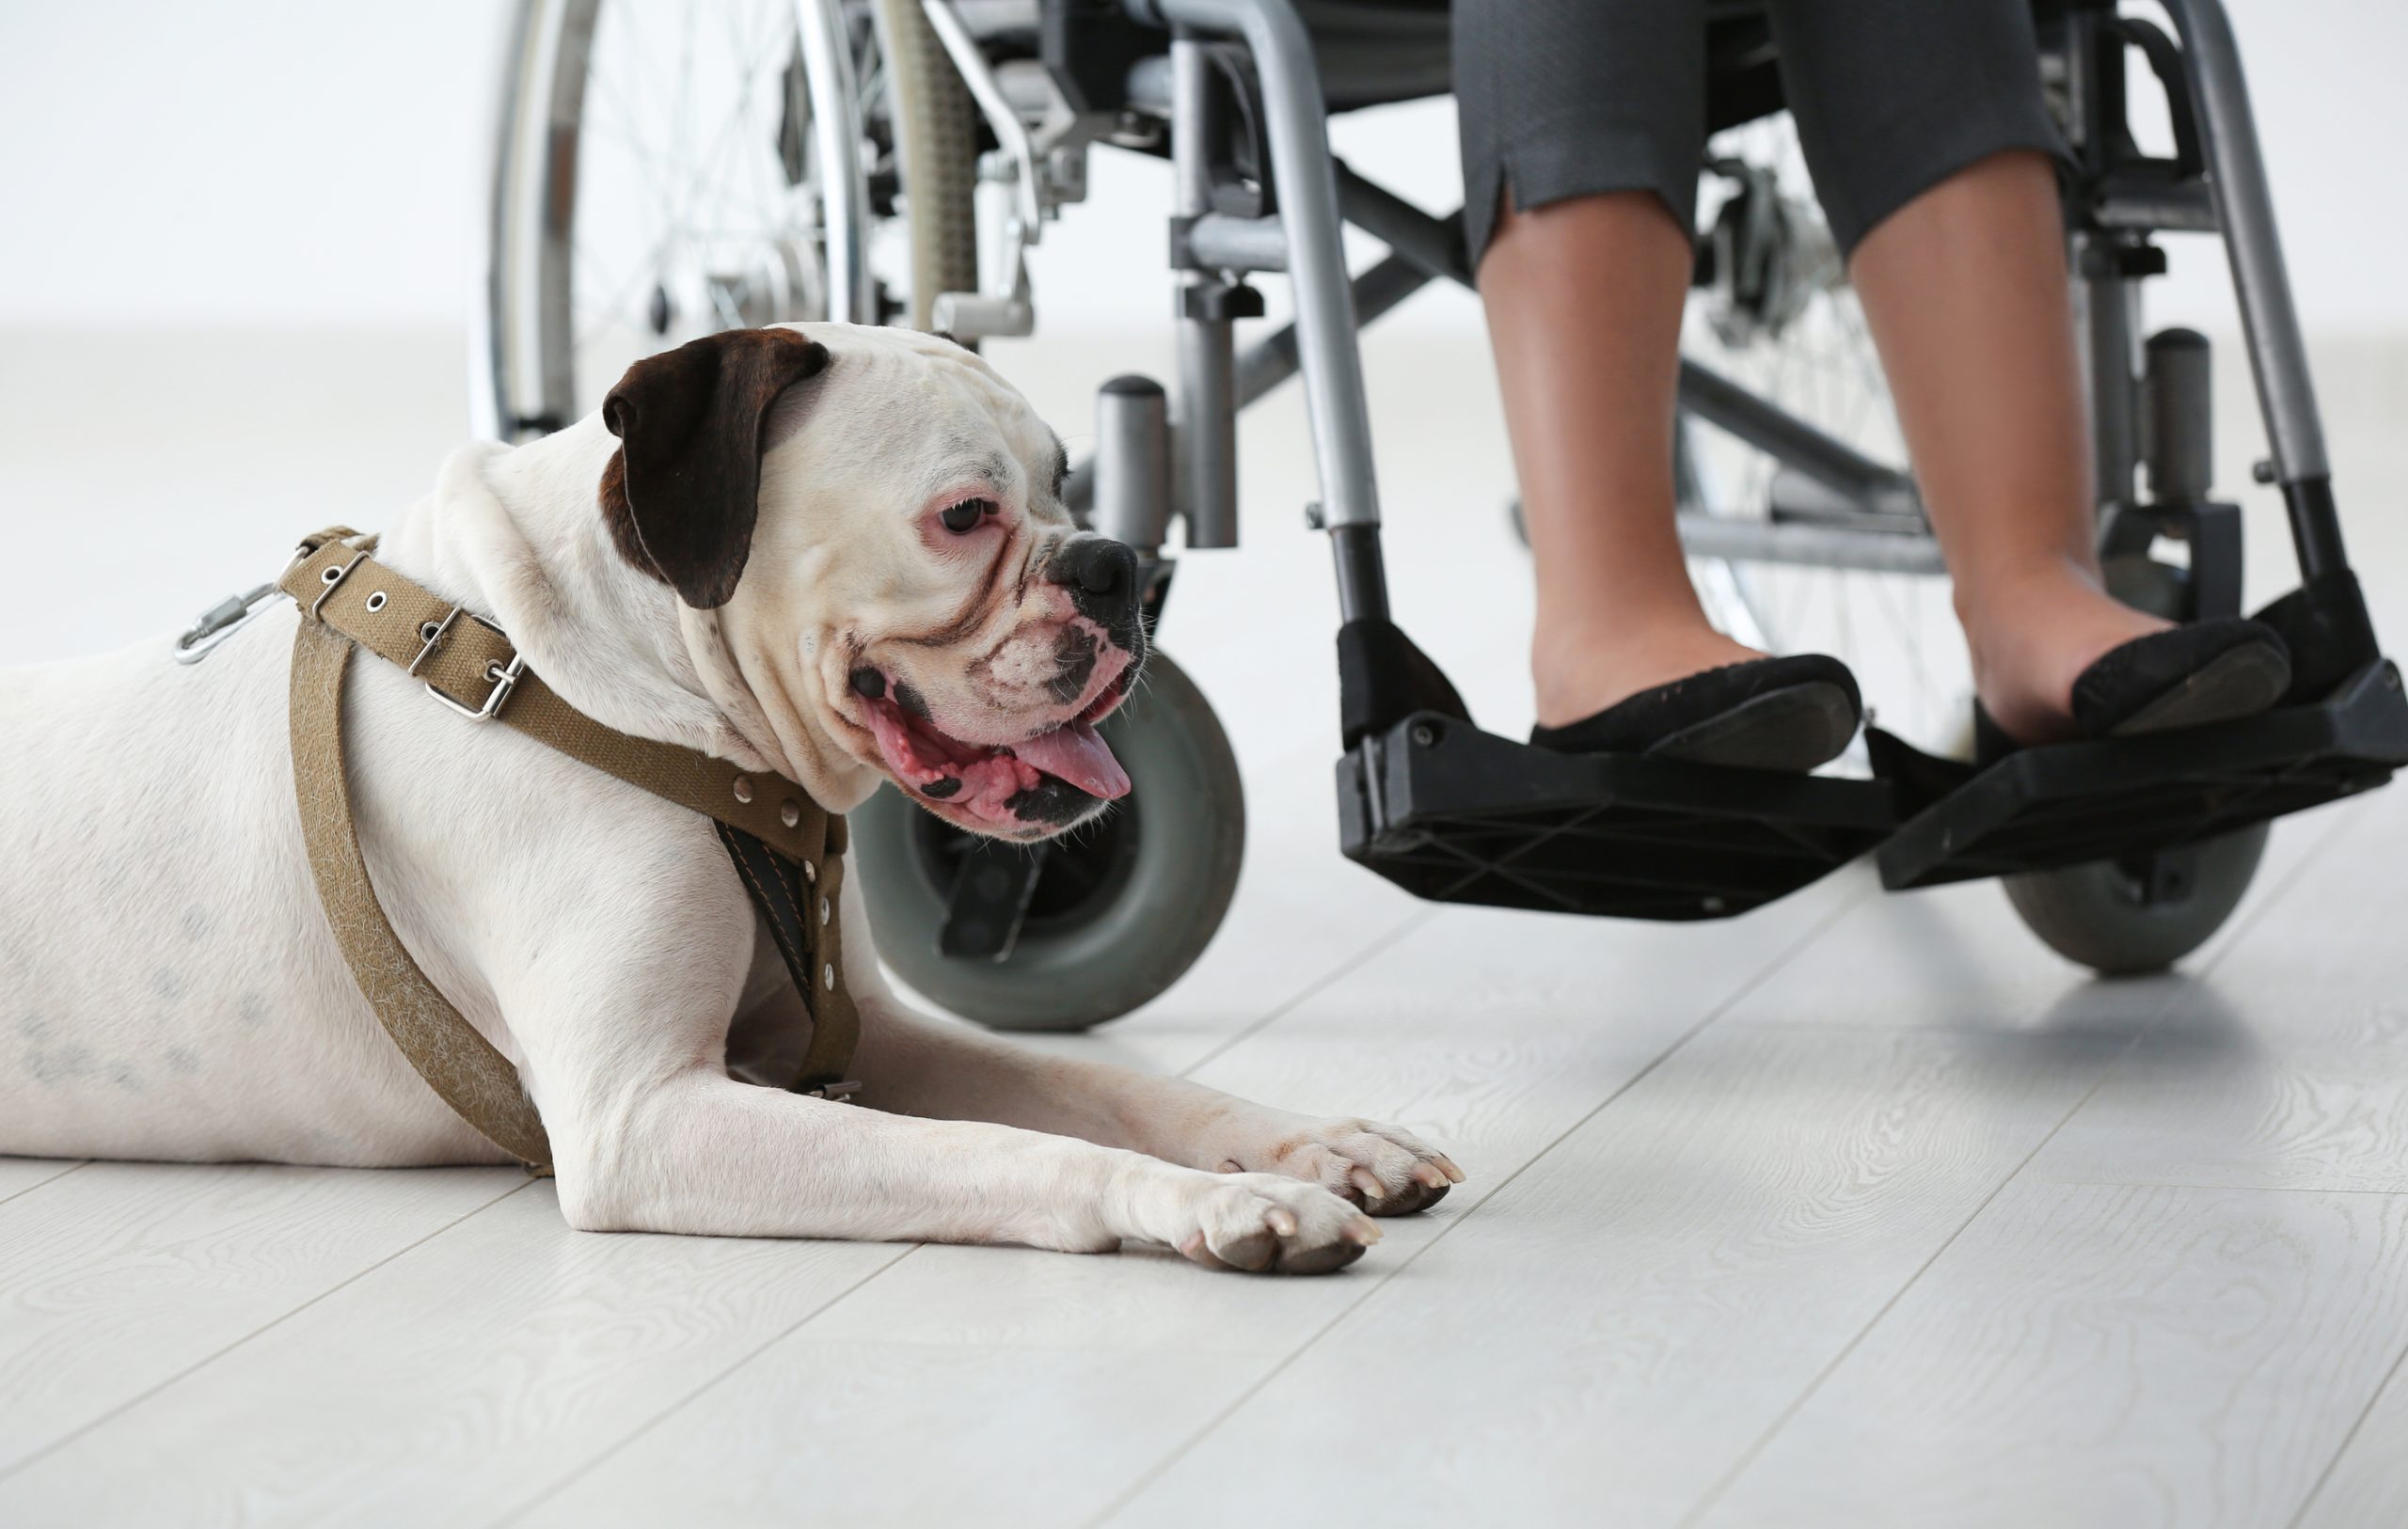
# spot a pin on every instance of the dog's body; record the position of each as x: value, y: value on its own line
x: 172, y: 991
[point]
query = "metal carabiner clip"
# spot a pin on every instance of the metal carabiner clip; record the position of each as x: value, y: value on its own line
x: 221, y: 622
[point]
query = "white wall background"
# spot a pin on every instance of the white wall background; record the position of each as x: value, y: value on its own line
x: 300, y: 163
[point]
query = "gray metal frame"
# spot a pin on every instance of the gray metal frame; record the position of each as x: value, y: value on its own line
x: 1873, y: 519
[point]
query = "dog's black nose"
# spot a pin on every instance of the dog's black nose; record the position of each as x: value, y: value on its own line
x: 1100, y: 575
x: 1096, y: 565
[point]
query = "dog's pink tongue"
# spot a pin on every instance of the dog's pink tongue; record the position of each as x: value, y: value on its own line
x: 1079, y: 756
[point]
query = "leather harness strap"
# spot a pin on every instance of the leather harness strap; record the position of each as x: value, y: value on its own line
x: 787, y: 850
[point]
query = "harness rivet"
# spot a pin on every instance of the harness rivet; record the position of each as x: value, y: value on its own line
x: 376, y: 601
x: 789, y: 814
x: 810, y: 871
x: 828, y: 978
x: 823, y: 910
x: 743, y: 789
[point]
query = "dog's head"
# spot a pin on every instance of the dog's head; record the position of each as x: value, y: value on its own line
x: 875, y: 519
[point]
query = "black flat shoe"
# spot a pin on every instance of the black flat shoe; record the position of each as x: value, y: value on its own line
x: 2207, y: 672
x: 1767, y: 714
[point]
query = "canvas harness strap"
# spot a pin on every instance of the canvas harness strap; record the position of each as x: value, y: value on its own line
x: 786, y: 849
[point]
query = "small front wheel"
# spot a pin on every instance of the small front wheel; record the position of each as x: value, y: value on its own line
x: 2124, y: 917
x: 1122, y: 905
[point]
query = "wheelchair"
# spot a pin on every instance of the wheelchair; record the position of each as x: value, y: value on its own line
x: 891, y: 161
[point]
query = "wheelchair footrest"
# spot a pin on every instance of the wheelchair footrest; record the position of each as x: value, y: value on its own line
x: 1457, y: 815
x: 2067, y: 804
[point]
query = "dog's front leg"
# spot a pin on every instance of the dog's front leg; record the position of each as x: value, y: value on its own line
x: 917, y: 1066
x: 913, y: 1066
x: 702, y: 1153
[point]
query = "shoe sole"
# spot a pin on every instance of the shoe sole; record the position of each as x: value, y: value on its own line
x: 1793, y: 729
x: 2240, y: 683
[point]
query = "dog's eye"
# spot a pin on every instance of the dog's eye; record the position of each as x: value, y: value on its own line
x: 963, y: 518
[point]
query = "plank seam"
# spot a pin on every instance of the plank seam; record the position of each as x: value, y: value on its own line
x: 1313, y: 989
x: 2349, y: 1437
x: 1739, y: 1467
x: 213, y: 1356
x: 40, y: 1183
x: 613, y: 1447
x: 1411, y: 921
x: 1772, y: 968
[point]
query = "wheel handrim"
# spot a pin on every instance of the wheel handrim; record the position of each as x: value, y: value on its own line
x: 666, y: 172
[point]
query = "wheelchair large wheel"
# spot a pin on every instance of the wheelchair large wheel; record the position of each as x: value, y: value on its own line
x: 665, y: 171
x: 1122, y: 908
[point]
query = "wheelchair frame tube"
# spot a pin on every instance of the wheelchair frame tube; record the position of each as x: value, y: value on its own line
x: 2244, y: 206
x: 837, y: 135
x: 2105, y: 299
x: 1297, y: 122
x: 1206, y: 446
x: 1271, y: 360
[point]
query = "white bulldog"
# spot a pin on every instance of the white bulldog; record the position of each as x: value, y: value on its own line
x: 834, y: 553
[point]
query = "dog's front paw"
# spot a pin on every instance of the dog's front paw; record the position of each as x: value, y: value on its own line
x: 1386, y: 1169
x: 1266, y: 1224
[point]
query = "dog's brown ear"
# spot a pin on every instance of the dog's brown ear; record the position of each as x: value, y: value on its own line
x: 681, y: 492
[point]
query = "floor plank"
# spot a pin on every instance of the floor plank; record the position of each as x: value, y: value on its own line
x: 876, y: 1434
x: 119, y: 1277
x: 2105, y: 1355
x: 1650, y: 1293
x: 1547, y: 1019
x: 2288, y: 1067
x: 447, y: 1385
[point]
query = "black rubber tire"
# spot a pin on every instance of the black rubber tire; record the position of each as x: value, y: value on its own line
x: 1148, y: 888
x: 2098, y: 916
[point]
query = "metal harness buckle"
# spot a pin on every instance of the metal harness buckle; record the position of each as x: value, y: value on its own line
x: 836, y: 1093
x: 333, y: 578
x: 504, y: 677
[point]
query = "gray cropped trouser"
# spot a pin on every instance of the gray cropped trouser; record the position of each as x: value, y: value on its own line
x: 1573, y: 98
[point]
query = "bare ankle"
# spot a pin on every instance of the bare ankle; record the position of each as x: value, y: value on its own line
x: 1580, y: 671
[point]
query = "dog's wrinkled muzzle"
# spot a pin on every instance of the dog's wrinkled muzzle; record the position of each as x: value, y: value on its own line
x: 1029, y: 788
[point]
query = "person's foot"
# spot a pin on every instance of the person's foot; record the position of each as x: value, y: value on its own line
x: 2032, y: 639
x: 1722, y: 703
x: 1580, y: 674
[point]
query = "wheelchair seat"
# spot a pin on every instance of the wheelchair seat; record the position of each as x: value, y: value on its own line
x: 1376, y: 53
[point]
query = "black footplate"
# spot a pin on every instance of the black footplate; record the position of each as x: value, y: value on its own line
x: 1457, y: 815
x: 2066, y: 804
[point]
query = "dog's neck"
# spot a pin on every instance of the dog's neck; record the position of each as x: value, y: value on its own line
x: 517, y: 534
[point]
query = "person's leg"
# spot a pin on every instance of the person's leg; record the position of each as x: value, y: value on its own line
x: 1965, y: 289
x: 1584, y: 302
x: 1931, y: 149
x: 1583, y: 124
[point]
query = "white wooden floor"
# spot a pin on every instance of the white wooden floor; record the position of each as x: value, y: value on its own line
x: 1862, y: 1210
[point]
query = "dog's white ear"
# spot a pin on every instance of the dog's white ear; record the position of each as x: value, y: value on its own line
x: 682, y: 491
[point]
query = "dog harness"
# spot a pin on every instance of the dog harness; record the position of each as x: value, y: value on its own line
x: 787, y: 848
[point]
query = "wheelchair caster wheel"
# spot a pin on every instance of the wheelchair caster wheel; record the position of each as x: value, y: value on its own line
x: 1122, y: 908
x: 2126, y: 916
